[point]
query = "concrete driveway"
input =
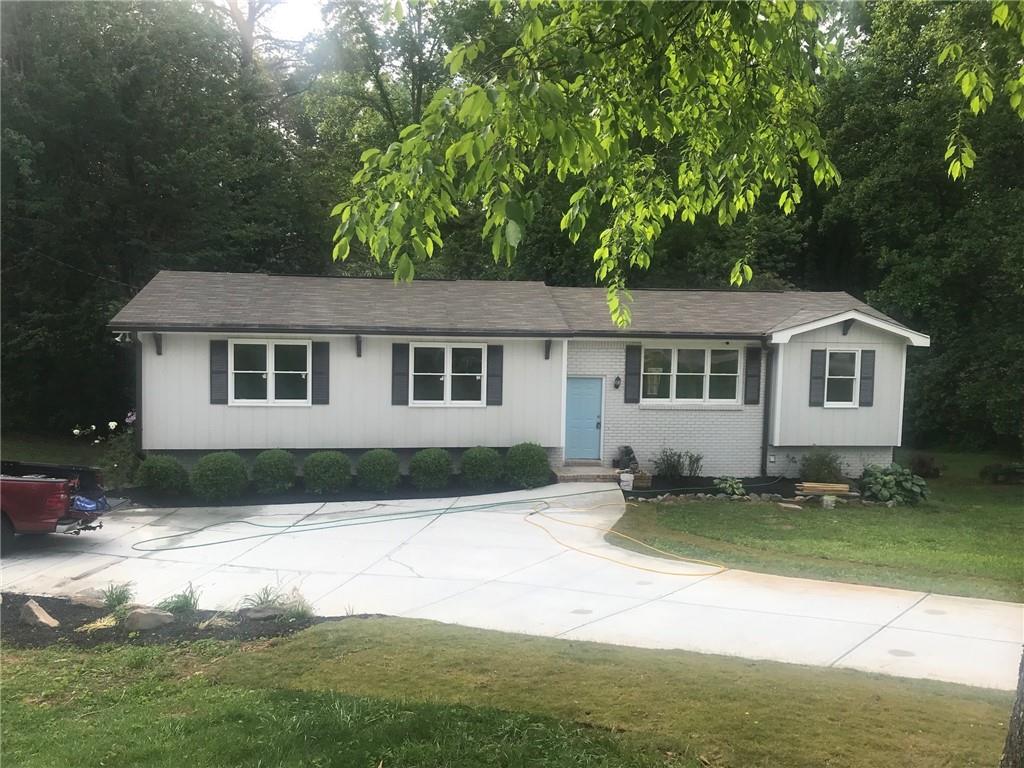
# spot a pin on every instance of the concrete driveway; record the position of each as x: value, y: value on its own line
x: 453, y: 560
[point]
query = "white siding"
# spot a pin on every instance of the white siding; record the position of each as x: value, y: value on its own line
x: 177, y: 414
x: 797, y: 423
x: 729, y: 436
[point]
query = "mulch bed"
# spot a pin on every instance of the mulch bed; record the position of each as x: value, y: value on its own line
x: 18, y: 634
x: 784, y: 486
x: 299, y: 495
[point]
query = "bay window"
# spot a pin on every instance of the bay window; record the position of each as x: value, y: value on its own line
x: 447, y: 374
x: 269, y: 372
x: 690, y: 375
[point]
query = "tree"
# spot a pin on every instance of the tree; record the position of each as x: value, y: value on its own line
x: 652, y: 111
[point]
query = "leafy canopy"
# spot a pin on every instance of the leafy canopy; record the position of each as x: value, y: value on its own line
x: 651, y: 111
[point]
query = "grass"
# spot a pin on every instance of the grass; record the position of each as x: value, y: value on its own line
x: 965, y: 540
x: 396, y: 692
x: 51, y: 449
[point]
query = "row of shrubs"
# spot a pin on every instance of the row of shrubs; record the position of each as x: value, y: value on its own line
x: 223, y: 475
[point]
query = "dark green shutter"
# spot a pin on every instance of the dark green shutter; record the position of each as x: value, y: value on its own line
x: 321, y: 373
x: 752, y: 377
x: 632, y: 389
x: 867, y: 377
x: 818, y: 377
x: 399, y: 374
x: 495, y: 365
x: 218, y: 371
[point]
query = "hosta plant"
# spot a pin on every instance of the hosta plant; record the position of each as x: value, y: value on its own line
x: 893, y: 483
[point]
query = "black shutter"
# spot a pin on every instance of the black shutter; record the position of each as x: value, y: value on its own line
x: 867, y: 377
x: 399, y: 374
x: 218, y: 372
x: 632, y: 391
x: 752, y: 377
x: 495, y: 366
x: 817, y: 377
x: 321, y: 368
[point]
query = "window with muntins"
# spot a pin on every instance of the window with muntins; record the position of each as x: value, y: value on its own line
x: 447, y: 374
x: 269, y: 372
x: 841, y: 372
x: 690, y: 375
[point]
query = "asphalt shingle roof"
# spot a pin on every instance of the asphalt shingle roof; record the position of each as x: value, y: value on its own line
x: 223, y: 301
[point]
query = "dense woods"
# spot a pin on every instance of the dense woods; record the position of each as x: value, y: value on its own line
x: 141, y: 136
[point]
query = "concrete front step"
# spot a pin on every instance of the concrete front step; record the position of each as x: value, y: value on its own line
x: 586, y: 473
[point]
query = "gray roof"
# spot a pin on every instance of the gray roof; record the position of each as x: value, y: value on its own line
x: 224, y: 301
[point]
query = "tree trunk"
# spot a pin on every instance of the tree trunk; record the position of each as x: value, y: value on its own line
x: 1013, y: 751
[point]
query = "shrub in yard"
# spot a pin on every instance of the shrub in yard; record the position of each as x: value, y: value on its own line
x: 526, y: 466
x: 377, y: 470
x: 163, y: 475
x: 693, y: 464
x: 668, y: 465
x: 481, y: 467
x: 120, y: 461
x: 893, y: 483
x: 821, y: 467
x: 430, y: 469
x: 183, y: 605
x: 273, y: 471
x: 118, y: 596
x: 327, y: 471
x: 219, y: 476
x: 731, y: 486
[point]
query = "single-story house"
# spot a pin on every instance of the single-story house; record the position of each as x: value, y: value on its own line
x: 750, y: 379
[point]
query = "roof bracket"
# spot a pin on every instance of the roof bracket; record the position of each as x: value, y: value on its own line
x: 359, y: 345
x: 547, y: 349
x: 847, y: 324
x: 158, y: 340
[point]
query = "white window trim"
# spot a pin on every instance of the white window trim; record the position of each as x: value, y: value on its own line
x: 448, y: 402
x: 856, y: 378
x: 706, y: 399
x: 270, y: 400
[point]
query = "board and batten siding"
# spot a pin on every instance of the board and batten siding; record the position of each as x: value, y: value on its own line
x: 728, y: 435
x: 797, y: 423
x: 177, y: 414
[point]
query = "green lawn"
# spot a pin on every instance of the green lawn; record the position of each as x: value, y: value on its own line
x: 965, y: 540
x: 50, y: 449
x: 396, y: 692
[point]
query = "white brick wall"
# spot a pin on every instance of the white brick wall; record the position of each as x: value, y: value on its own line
x: 729, y: 437
x: 787, y: 459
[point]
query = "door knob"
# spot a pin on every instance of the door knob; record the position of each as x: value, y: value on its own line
x: 598, y: 425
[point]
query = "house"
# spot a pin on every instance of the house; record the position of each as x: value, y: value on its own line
x: 750, y: 379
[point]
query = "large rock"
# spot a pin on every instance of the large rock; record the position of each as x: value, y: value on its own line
x: 33, y: 614
x: 263, y: 613
x: 139, y: 619
x: 89, y: 598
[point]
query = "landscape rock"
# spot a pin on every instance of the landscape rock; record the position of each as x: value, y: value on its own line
x: 828, y: 502
x: 890, y: 504
x: 33, y: 614
x: 90, y: 598
x: 139, y: 619
x: 262, y: 613
x: 784, y: 505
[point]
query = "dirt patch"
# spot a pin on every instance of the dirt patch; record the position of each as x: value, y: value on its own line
x: 226, y: 625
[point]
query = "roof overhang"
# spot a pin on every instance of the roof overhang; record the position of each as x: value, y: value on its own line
x: 915, y: 339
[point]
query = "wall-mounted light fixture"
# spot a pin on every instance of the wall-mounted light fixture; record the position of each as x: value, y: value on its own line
x: 618, y: 382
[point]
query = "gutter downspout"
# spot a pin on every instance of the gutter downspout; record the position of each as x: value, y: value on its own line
x: 769, y: 359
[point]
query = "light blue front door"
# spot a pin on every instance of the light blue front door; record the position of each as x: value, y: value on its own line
x: 583, y: 418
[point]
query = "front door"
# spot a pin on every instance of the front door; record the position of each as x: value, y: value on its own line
x: 583, y: 418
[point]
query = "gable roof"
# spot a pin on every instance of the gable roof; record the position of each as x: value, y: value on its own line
x: 224, y: 301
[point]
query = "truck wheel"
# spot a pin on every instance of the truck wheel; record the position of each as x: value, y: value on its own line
x: 6, y: 534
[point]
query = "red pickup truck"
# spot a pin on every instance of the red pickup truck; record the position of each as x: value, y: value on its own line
x: 49, y: 498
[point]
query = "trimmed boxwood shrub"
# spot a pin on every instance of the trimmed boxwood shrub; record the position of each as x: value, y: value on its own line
x: 481, y: 467
x: 273, y: 471
x: 821, y: 467
x: 377, y: 470
x: 430, y: 469
x: 327, y: 472
x: 526, y: 466
x: 163, y: 475
x: 219, y: 476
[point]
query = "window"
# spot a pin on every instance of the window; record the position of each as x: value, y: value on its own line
x: 269, y: 372
x: 447, y: 374
x: 841, y: 378
x: 691, y: 375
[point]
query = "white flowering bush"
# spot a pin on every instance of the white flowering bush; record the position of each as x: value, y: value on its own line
x: 119, y: 459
